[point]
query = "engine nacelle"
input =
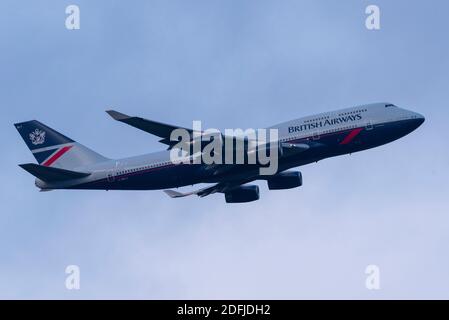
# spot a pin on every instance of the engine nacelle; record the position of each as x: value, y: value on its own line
x: 285, y: 180
x: 242, y: 194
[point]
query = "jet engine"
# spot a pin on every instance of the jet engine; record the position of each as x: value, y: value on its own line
x: 243, y: 194
x: 285, y: 180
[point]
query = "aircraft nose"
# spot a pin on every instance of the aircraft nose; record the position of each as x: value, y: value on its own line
x: 418, y: 119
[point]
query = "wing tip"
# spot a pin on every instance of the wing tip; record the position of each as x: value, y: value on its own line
x: 174, y: 194
x: 117, y: 115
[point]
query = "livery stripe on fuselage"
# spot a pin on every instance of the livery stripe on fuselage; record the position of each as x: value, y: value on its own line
x: 351, y: 136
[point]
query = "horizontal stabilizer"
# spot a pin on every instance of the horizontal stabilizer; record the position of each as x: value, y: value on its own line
x: 50, y: 174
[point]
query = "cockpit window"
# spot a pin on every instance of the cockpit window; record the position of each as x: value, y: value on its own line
x: 390, y: 105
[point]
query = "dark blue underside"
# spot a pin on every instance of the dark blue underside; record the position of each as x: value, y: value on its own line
x: 325, y: 146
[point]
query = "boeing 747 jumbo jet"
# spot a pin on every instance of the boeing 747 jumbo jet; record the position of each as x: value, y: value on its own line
x: 66, y: 164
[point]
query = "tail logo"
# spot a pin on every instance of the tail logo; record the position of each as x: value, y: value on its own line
x: 37, y: 137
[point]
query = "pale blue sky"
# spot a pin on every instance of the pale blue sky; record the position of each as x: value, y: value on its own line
x: 229, y: 64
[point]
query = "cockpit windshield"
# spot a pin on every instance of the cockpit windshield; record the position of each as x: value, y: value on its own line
x: 390, y: 105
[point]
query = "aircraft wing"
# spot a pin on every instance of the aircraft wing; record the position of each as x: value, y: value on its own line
x: 158, y: 129
x: 164, y: 131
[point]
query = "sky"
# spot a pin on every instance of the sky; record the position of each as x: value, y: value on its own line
x: 230, y: 64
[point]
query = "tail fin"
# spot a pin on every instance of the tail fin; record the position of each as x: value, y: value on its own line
x: 50, y: 148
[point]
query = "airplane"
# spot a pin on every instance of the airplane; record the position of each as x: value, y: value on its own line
x: 66, y: 164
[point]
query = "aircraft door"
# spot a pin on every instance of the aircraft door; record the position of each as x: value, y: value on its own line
x: 113, y: 173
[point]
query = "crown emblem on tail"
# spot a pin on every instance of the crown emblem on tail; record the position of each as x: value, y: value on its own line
x: 37, y: 137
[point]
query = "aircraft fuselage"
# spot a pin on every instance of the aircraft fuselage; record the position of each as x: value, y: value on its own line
x: 330, y: 134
